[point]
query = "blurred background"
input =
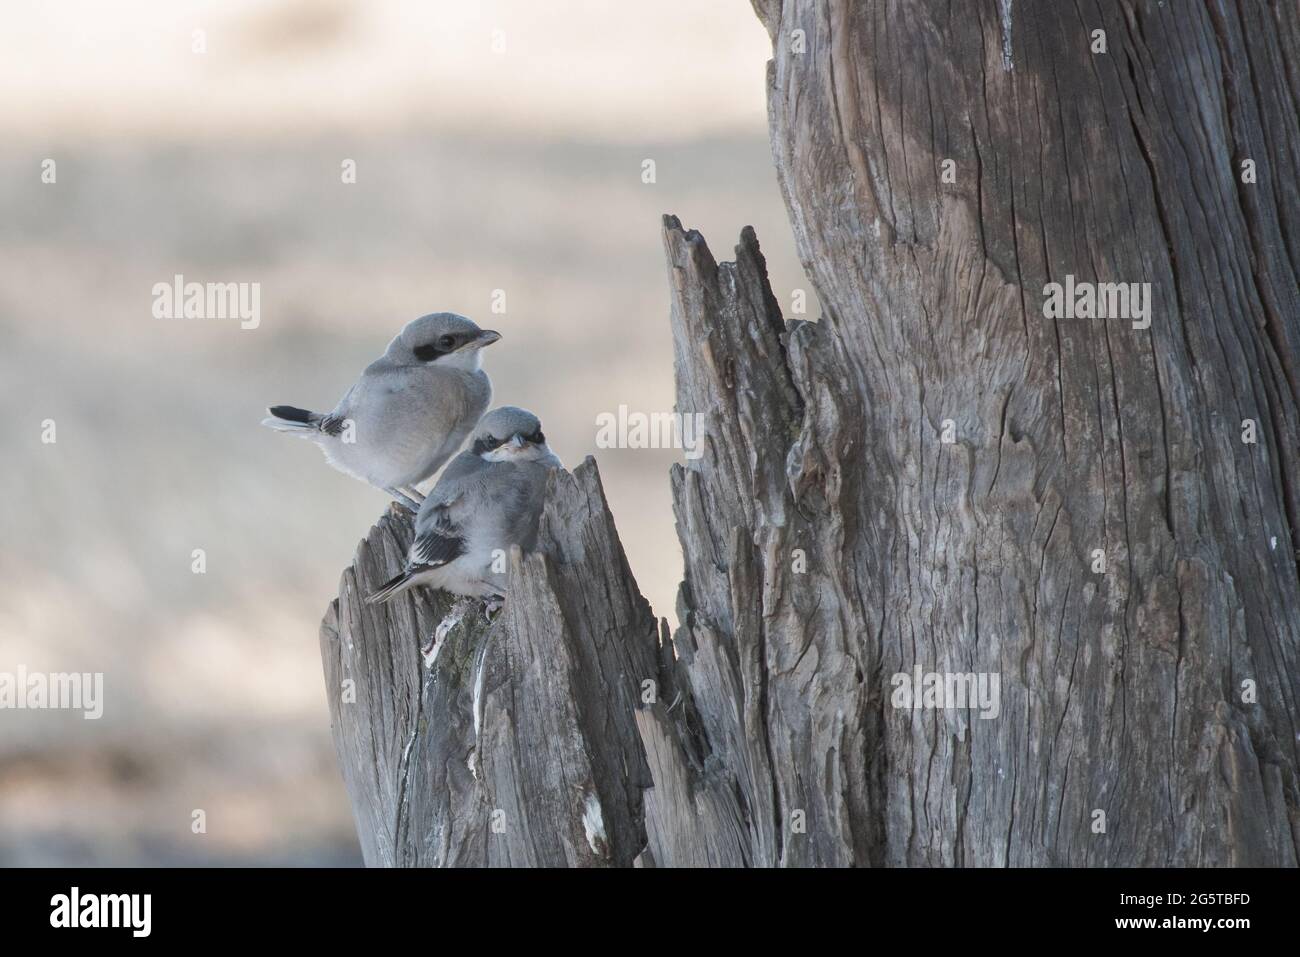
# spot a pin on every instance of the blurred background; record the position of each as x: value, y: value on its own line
x: 497, y: 146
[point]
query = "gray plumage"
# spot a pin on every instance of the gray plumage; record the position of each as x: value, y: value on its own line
x: 410, y: 410
x: 489, y: 498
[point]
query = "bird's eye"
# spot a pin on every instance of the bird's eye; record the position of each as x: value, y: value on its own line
x: 439, y: 347
x: 537, y: 438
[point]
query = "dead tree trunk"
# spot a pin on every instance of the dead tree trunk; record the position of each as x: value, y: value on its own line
x: 939, y: 478
x: 1066, y: 503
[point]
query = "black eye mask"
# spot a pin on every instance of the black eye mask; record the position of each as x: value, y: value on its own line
x: 432, y: 350
x: 488, y: 444
x: 482, y: 446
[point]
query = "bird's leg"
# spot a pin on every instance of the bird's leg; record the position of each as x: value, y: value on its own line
x: 491, y: 606
x: 404, y: 500
x: 413, y: 493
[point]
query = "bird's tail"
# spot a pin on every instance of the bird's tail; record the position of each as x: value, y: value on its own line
x: 286, y: 418
x: 390, y: 588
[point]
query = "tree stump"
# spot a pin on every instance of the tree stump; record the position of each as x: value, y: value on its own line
x: 517, y: 745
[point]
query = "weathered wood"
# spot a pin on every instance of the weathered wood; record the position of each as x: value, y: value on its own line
x: 771, y: 764
x: 1121, y: 690
x: 519, y: 746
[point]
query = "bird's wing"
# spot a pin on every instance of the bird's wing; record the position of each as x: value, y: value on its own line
x: 439, y: 535
x: 435, y: 547
x: 377, y: 381
x: 344, y: 404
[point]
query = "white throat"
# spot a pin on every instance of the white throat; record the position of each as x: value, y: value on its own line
x: 466, y: 360
x: 517, y: 453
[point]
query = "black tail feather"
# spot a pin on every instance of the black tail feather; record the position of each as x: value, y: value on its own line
x: 388, y: 589
x: 291, y: 414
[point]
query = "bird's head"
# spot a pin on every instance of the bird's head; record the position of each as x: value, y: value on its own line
x: 442, y: 340
x: 510, y: 434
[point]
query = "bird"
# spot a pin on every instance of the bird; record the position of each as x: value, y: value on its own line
x: 489, y: 498
x: 409, y: 412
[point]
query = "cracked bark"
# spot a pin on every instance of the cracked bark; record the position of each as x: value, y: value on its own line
x: 833, y: 538
x: 1120, y: 691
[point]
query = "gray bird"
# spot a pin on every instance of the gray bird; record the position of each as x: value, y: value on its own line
x: 410, y: 410
x: 489, y: 498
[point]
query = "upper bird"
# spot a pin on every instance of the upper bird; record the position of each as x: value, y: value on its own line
x: 489, y: 498
x: 410, y: 410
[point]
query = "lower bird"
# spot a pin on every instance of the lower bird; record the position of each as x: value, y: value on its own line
x: 489, y: 498
x: 409, y: 412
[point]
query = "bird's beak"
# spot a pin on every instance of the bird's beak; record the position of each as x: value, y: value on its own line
x: 486, y: 337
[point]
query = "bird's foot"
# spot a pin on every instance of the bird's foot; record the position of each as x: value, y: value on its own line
x: 492, y: 606
x: 404, y: 500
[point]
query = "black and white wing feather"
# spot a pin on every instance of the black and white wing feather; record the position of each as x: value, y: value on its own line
x: 437, y: 546
x: 439, y: 539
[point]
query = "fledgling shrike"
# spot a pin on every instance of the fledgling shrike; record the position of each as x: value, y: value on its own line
x: 489, y: 498
x: 410, y: 410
